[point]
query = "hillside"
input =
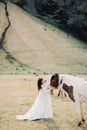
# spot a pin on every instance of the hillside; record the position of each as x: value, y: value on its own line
x: 37, y: 47
x: 69, y: 15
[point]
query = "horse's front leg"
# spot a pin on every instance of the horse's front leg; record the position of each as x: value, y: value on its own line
x: 79, y: 111
x: 83, y: 119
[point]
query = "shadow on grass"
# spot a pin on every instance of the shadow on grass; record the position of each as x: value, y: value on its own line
x: 50, y: 124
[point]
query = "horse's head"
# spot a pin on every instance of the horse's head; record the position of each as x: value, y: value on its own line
x: 54, y: 81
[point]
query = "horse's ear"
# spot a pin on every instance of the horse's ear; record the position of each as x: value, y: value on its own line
x: 61, y: 81
x: 57, y: 74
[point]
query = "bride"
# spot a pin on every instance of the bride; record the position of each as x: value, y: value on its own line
x: 41, y: 109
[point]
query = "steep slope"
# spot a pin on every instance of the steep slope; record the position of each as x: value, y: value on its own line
x: 40, y: 48
x: 69, y: 15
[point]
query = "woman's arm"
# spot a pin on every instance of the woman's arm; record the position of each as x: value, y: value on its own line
x: 46, y: 88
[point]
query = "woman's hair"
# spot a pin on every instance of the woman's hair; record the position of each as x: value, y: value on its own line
x: 39, y: 83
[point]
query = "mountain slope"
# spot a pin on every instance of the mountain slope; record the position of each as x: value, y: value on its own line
x: 40, y: 48
x: 69, y: 15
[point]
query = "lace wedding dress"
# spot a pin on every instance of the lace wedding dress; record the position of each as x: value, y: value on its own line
x: 41, y: 108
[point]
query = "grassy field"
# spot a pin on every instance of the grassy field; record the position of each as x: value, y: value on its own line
x: 17, y: 94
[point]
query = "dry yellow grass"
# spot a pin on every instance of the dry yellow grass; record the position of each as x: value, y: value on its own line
x: 17, y: 94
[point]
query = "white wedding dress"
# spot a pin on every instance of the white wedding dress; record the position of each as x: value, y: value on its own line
x: 41, y: 108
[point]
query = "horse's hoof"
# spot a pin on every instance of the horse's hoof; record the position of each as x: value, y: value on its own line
x: 79, y: 123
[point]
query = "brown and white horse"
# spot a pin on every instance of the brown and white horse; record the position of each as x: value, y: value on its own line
x: 76, y: 89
